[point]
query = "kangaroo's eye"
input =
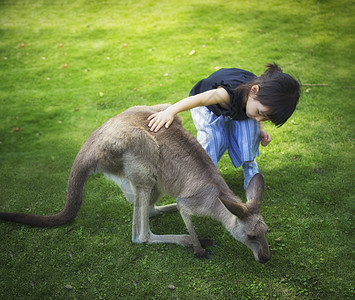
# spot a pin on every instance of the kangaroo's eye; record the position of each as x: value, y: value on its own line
x: 251, y: 236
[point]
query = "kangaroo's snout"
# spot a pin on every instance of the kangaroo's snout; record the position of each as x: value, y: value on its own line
x: 263, y: 258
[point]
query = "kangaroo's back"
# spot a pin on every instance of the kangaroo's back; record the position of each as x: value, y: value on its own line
x: 182, y: 165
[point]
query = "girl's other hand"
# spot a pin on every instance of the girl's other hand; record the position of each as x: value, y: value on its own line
x: 265, y: 138
x: 158, y: 120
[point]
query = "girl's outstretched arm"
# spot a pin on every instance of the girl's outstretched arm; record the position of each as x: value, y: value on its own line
x: 166, y: 117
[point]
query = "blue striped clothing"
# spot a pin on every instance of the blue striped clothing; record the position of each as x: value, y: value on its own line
x: 217, y: 134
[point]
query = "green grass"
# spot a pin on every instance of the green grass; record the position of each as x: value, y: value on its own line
x: 83, y: 62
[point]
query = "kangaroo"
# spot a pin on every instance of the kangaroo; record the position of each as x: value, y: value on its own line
x: 146, y: 165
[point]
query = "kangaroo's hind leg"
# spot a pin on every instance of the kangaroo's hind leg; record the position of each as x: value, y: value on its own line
x: 140, y: 225
x: 140, y: 229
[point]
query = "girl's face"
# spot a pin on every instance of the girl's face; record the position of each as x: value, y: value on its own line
x: 255, y: 110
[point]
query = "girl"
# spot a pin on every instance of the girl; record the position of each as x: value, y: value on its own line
x: 228, y: 109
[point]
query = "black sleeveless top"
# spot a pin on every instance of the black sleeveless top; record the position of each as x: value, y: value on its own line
x: 229, y: 79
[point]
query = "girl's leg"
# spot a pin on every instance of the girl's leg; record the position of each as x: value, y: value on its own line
x: 250, y: 168
x: 211, y: 132
x: 244, y: 139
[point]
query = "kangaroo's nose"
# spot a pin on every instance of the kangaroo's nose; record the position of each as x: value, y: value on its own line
x: 264, y: 258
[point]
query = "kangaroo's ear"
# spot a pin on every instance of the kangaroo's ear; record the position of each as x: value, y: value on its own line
x: 238, y: 209
x: 254, y: 192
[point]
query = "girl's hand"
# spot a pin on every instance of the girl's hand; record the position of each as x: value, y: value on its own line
x: 158, y: 120
x: 265, y: 138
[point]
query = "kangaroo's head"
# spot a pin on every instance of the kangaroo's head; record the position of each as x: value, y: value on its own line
x: 250, y: 228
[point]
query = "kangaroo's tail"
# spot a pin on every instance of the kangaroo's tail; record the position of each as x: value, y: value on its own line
x: 80, y: 172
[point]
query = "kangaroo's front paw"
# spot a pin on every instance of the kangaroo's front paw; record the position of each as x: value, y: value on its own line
x: 201, y: 253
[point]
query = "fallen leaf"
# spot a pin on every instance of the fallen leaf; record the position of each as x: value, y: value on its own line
x: 60, y: 45
x: 76, y: 109
x: 171, y: 287
x: 278, y: 239
x: 17, y: 129
x: 22, y: 45
x: 65, y: 66
x: 69, y: 287
x: 125, y: 45
x: 192, y: 52
x: 308, y: 90
x: 295, y: 158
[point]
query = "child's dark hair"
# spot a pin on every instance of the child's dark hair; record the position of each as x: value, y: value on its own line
x: 279, y: 92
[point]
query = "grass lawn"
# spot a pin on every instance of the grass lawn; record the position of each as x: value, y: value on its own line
x: 67, y: 66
